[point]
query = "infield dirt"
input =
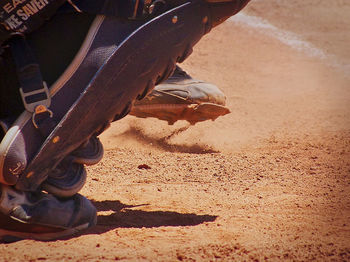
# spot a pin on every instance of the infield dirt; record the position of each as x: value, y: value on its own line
x: 270, y: 181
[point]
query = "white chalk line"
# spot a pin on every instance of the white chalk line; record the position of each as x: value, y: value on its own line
x: 290, y: 39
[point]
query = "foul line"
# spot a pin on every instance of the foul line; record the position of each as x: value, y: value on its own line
x: 290, y: 39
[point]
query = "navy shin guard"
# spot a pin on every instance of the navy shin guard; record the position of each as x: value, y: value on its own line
x: 119, y: 62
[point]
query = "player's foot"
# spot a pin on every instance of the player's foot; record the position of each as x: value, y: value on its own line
x: 41, y: 216
x: 181, y: 97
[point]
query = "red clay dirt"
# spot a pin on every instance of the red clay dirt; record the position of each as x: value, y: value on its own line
x: 270, y: 181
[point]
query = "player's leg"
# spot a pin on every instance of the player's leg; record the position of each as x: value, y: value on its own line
x: 41, y: 215
x: 111, y: 70
x: 29, y: 212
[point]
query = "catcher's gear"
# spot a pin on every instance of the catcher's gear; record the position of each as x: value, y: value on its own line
x: 109, y: 73
x: 119, y: 62
x: 42, y: 216
x: 46, y: 146
x: 181, y: 97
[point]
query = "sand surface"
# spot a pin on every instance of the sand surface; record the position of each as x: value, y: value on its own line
x: 270, y: 181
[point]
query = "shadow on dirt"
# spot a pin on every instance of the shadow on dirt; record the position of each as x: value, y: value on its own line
x: 124, y: 217
x: 163, y: 143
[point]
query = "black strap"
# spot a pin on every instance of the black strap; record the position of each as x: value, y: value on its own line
x: 33, y: 89
x: 4, y: 34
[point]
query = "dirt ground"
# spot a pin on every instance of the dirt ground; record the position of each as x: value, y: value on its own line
x: 270, y: 181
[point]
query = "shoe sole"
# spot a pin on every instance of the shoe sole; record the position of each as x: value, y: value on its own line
x: 193, y: 113
x: 11, y: 236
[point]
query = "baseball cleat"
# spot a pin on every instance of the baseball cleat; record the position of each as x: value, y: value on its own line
x: 41, y: 216
x: 181, y: 97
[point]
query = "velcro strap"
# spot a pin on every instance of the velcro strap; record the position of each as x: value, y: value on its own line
x: 33, y: 89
